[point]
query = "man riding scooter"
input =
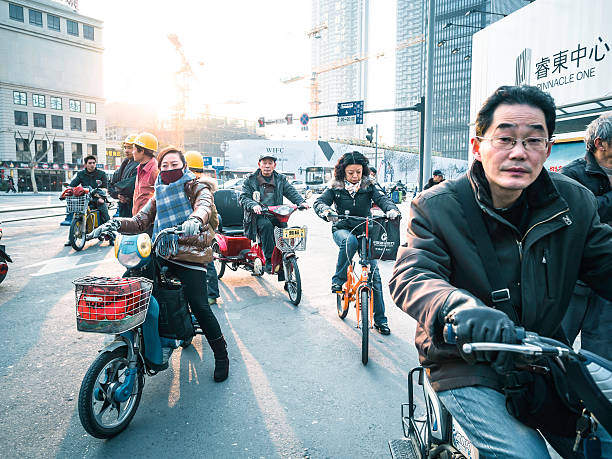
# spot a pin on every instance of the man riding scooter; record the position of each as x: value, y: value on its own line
x: 271, y: 186
x: 93, y: 178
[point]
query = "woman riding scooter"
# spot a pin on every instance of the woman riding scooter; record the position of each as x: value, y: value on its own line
x: 353, y: 190
x: 180, y: 199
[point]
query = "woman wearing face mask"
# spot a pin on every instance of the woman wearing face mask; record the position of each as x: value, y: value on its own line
x: 180, y: 199
x: 353, y: 190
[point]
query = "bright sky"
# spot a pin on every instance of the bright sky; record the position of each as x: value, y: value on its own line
x: 245, y: 47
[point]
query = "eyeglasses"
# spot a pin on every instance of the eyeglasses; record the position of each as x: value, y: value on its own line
x: 533, y: 144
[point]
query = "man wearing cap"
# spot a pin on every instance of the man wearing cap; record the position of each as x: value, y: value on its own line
x: 271, y: 186
x: 438, y: 177
x: 145, y: 147
x: 124, y: 179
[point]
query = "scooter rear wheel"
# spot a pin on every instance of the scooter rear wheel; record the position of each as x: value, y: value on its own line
x: 219, y: 265
x: 101, y: 416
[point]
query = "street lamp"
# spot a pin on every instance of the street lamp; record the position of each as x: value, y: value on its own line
x: 467, y: 13
x: 467, y: 57
x: 446, y: 40
x: 454, y: 50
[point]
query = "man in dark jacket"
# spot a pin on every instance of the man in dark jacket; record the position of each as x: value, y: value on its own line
x: 271, y: 186
x: 546, y: 233
x: 589, y: 313
x: 437, y: 177
x: 124, y: 178
x: 90, y: 176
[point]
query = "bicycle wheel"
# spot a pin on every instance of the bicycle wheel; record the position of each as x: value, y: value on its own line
x: 365, y: 329
x: 340, y: 305
x: 219, y: 265
x: 293, y: 280
x: 101, y: 416
x: 77, y: 233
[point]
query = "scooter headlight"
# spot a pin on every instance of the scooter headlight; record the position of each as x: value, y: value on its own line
x: 133, y: 251
x: 144, y: 245
x: 118, y: 244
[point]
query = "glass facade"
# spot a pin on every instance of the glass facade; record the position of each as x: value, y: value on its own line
x: 451, y: 72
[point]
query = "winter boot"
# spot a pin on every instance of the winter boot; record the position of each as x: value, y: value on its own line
x: 219, y: 347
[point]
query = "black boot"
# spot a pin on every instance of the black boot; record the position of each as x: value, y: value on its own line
x: 219, y: 347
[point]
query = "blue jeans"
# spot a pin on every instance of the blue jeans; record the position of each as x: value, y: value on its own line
x: 348, y: 243
x: 481, y: 412
x: 212, y: 280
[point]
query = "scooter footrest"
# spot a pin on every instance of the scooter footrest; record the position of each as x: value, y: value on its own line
x: 403, y: 449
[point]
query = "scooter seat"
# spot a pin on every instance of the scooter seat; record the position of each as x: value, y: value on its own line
x: 234, y: 231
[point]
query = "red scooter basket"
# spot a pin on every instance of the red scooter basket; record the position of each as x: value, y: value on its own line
x: 111, y: 304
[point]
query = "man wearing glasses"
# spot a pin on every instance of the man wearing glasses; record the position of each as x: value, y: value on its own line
x: 545, y: 233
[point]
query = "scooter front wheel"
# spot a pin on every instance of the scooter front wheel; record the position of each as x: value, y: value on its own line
x: 102, y: 416
x: 77, y: 233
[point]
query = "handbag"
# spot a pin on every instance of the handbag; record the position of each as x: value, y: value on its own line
x: 538, y: 395
x: 174, y: 316
x: 385, y: 238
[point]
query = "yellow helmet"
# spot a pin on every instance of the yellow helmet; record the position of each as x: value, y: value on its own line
x: 194, y: 161
x: 146, y: 140
x: 130, y: 138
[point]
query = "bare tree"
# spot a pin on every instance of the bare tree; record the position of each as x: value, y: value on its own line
x: 34, y: 158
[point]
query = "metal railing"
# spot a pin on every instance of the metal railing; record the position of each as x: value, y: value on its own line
x: 26, y: 209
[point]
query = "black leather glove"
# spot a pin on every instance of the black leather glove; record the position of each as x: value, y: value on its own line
x: 479, y: 323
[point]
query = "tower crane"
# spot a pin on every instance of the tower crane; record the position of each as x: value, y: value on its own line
x: 182, y: 78
x: 314, y: 84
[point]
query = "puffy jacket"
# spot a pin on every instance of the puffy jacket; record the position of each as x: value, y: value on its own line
x: 195, y: 250
x: 439, y: 265
x: 587, y: 171
x: 358, y: 205
x: 282, y: 187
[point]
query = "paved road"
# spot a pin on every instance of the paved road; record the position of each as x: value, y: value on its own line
x: 297, y: 387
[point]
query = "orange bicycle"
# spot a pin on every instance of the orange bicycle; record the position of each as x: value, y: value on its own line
x: 359, y: 290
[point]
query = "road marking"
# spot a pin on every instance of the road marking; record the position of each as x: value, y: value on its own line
x: 56, y: 265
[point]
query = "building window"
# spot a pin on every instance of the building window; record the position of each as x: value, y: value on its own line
x: 75, y: 124
x: 91, y: 125
x: 90, y: 108
x: 20, y: 98
x: 40, y: 147
x: 88, y: 32
x: 53, y: 22
x: 72, y: 27
x: 38, y: 100
x: 57, y: 122
x: 77, y: 153
x: 75, y: 105
x: 58, y: 152
x: 22, y: 150
x: 40, y: 120
x: 55, y: 103
x: 16, y: 12
x: 36, y: 18
x: 92, y: 149
x: 21, y: 118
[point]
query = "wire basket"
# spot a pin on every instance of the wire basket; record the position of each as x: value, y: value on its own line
x: 77, y: 204
x: 111, y: 304
x: 290, y: 239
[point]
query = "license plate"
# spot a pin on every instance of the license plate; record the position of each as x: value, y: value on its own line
x: 290, y: 233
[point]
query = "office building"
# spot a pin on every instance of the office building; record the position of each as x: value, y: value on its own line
x: 51, y: 91
x: 455, y: 23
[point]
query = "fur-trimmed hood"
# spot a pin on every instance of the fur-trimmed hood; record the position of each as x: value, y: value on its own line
x: 209, y: 182
x: 339, y: 184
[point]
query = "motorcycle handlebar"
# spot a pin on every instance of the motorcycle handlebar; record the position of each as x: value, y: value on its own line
x: 531, y: 343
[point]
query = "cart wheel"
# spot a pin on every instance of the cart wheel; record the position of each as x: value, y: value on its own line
x: 340, y: 305
x: 219, y: 265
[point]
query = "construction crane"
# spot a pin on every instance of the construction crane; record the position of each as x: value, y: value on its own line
x: 314, y: 84
x: 182, y: 78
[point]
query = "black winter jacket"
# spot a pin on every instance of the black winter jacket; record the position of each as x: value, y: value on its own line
x: 587, y: 171
x: 282, y: 187
x: 86, y: 178
x: 359, y: 205
x: 439, y: 265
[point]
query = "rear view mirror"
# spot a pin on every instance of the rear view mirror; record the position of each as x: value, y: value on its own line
x: 308, y: 194
x: 256, y: 196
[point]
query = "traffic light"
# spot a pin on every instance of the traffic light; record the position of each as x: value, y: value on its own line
x: 289, y: 118
x: 262, y: 122
x: 370, y: 134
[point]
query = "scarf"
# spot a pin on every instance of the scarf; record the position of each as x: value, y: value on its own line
x: 173, y: 208
x: 352, y: 188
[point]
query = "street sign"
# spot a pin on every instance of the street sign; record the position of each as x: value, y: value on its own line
x: 350, y: 113
x: 207, y: 160
x: 304, y: 119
